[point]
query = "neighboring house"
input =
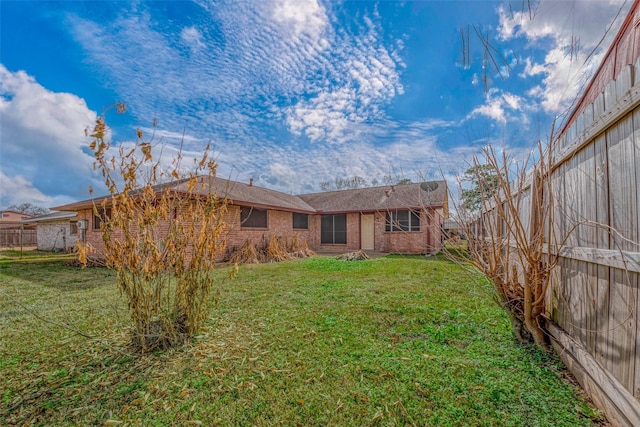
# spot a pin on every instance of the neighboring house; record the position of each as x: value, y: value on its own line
x: 13, y: 232
x: 403, y: 218
x: 13, y: 219
x: 55, y: 231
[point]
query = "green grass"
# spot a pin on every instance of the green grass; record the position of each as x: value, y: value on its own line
x: 389, y: 341
x: 10, y: 255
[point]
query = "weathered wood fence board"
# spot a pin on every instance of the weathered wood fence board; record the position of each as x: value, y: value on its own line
x: 594, y: 295
x: 619, y: 404
x: 602, y: 193
x: 597, y: 220
x: 14, y: 238
x: 602, y: 313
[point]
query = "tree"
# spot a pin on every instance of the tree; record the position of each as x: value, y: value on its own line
x: 480, y: 182
x: 29, y: 209
x: 356, y: 181
x: 348, y: 183
x: 162, y: 239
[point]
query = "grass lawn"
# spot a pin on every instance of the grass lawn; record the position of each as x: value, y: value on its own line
x: 9, y: 255
x: 388, y: 341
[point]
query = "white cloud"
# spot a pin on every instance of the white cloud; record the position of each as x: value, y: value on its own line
x: 191, y: 37
x: 42, y: 140
x: 60, y: 166
x: 513, y: 101
x: 571, y: 30
x: 364, y: 76
x: 17, y: 190
x: 386, y: 148
x: 500, y: 106
x: 166, y: 136
x: 281, y: 60
x: 325, y: 117
x: 301, y: 16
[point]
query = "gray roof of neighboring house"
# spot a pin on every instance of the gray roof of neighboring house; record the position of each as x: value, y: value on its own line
x: 53, y: 216
x: 417, y: 195
x: 451, y: 224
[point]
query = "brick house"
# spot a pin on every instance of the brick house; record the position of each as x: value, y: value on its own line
x: 12, y: 219
x: 404, y: 218
x: 55, y: 231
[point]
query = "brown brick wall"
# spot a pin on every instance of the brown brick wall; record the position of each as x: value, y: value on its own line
x: 427, y: 240
x: 93, y: 237
x: 280, y: 223
x: 89, y: 235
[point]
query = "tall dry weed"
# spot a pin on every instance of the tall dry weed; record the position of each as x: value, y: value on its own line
x: 162, y: 230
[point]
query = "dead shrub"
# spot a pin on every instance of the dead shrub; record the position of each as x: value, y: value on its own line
x: 247, y: 254
x: 273, y: 249
x: 162, y: 232
x: 353, y: 256
x: 509, y: 235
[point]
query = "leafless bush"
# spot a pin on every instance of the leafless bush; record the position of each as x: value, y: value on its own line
x: 162, y: 232
x: 509, y: 235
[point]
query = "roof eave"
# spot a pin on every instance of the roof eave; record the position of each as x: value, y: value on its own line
x: 272, y: 207
x: 69, y: 215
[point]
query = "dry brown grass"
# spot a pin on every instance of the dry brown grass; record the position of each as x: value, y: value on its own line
x: 353, y: 256
x: 273, y: 249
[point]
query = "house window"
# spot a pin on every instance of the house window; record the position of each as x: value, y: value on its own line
x: 333, y: 229
x: 253, y: 218
x: 73, y: 228
x: 300, y: 221
x: 103, y: 215
x: 403, y: 221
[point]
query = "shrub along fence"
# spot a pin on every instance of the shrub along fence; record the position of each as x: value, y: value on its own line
x: 592, y: 303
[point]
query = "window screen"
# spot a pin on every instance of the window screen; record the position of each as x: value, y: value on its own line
x: 253, y: 218
x: 103, y: 215
x: 403, y: 221
x: 300, y: 221
x: 333, y: 229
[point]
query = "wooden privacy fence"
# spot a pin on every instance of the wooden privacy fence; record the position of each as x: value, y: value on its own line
x: 593, y: 301
x: 16, y: 238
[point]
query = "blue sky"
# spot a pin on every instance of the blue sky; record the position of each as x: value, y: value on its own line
x: 289, y: 92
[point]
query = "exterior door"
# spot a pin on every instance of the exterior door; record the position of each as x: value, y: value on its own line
x: 366, y: 232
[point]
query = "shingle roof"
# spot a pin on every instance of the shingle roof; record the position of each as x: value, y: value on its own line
x: 417, y: 195
x: 239, y: 193
x: 450, y: 224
